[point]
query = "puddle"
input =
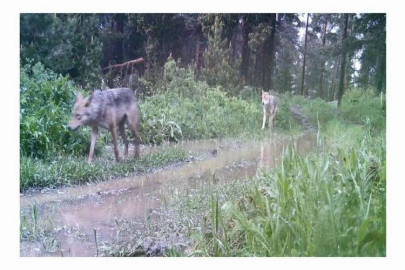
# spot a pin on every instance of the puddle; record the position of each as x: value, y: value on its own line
x: 76, y: 212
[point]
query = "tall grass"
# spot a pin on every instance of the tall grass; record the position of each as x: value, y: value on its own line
x: 67, y: 171
x: 208, y: 115
x: 328, y: 203
x: 317, y: 205
x: 358, y: 105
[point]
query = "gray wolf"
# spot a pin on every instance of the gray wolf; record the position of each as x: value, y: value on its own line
x: 269, y: 108
x: 108, y: 109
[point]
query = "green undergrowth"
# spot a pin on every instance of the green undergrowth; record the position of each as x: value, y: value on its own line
x: 183, y: 108
x: 331, y: 202
x: 208, y: 115
x: 67, y: 171
x: 328, y: 203
x: 361, y: 107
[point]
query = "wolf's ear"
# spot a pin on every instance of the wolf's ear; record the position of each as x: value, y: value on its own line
x: 88, y: 102
x: 79, y: 96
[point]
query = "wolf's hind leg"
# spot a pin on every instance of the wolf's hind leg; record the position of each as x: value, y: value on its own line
x: 133, y: 120
x: 124, y: 137
x: 114, y: 137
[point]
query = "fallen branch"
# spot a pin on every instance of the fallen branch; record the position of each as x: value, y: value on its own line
x: 126, y: 64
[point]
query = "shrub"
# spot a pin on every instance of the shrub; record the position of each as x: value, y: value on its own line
x: 219, y: 66
x: 179, y: 81
x: 211, y: 114
x: 360, y: 106
x: 46, y: 101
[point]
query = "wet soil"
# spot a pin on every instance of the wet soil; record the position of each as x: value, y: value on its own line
x: 76, y: 221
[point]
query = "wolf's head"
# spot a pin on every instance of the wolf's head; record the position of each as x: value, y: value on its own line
x: 81, y: 113
x: 266, y: 97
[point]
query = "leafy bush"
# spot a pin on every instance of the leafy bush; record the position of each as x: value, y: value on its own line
x: 46, y: 101
x: 209, y: 115
x: 359, y: 105
x: 219, y: 66
x: 283, y: 117
x: 316, y: 109
x: 180, y: 81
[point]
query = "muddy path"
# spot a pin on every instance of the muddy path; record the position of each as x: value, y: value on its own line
x: 296, y: 110
x: 76, y: 221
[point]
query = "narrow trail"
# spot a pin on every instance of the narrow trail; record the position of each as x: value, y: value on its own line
x: 299, y: 115
x: 134, y: 209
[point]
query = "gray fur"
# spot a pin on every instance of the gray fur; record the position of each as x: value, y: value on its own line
x: 108, y: 109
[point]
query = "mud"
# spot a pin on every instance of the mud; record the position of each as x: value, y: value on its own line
x: 77, y: 216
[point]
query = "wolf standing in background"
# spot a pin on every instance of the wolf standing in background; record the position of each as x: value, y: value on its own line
x: 269, y: 108
x: 108, y: 109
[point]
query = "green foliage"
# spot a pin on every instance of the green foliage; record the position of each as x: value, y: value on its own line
x: 327, y: 204
x: 208, y: 115
x: 372, y: 29
x: 46, y: 101
x: 318, y: 110
x: 80, y: 44
x: 359, y: 105
x: 33, y: 228
x: 68, y: 170
x: 189, y: 109
x: 284, y: 118
x: 180, y: 81
x: 220, y: 68
x: 66, y: 43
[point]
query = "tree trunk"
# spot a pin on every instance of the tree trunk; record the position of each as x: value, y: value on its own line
x: 285, y: 80
x: 325, y: 24
x: 381, y: 73
x: 272, y: 53
x: 264, y: 60
x: 244, y: 67
x: 349, y: 69
x: 305, y: 54
x: 255, y: 78
x: 343, y: 62
x: 118, y: 42
x: 332, y: 88
x: 268, y: 55
x: 197, y: 58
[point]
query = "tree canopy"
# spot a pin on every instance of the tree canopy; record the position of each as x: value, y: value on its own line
x: 233, y: 50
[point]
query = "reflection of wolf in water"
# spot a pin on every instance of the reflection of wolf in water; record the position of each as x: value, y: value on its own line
x: 108, y: 109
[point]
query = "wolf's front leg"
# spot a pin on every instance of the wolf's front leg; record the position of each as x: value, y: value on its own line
x: 114, y: 137
x: 264, y: 118
x: 94, y: 132
x: 271, y: 120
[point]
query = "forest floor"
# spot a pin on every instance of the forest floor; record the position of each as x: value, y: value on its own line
x: 140, y: 215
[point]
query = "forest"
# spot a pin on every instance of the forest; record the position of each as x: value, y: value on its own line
x: 257, y: 50
x: 208, y: 181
